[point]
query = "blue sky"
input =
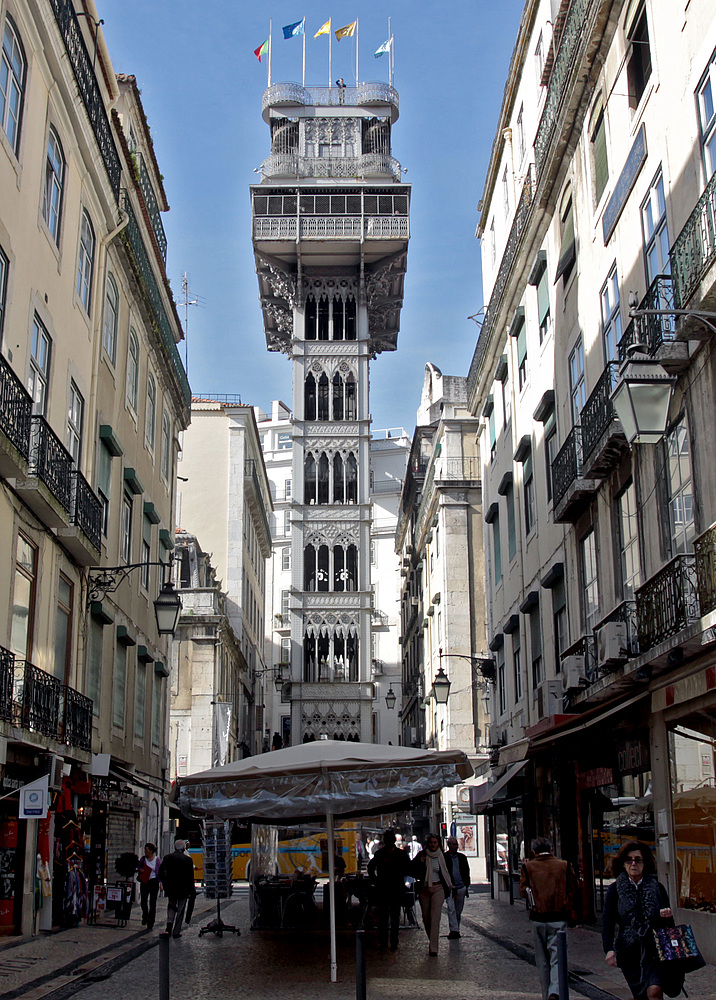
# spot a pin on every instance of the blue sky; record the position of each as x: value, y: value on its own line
x: 201, y: 88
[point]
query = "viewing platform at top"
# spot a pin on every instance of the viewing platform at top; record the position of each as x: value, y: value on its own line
x: 380, y: 98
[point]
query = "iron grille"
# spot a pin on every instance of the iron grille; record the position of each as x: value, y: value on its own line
x: 567, y: 465
x: 15, y: 409
x: 51, y: 462
x: 39, y: 699
x: 78, y: 719
x: 694, y: 249
x: 598, y: 412
x: 86, y: 512
x: 705, y: 552
x: 668, y: 602
x: 7, y: 680
x: 653, y: 331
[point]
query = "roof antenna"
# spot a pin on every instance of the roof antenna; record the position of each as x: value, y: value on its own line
x: 186, y: 303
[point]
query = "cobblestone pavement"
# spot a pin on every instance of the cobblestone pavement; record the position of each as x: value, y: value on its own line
x: 493, y: 960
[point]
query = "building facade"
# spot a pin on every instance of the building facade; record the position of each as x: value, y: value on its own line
x: 596, y: 226
x: 330, y: 234
x: 93, y: 398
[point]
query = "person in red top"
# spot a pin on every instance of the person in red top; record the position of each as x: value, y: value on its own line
x: 147, y: 873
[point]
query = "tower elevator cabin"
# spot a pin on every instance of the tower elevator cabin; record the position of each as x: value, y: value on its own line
x: 330, y: 229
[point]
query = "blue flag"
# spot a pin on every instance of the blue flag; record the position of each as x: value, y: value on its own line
x: 385, y: 47
x: 291, y: 30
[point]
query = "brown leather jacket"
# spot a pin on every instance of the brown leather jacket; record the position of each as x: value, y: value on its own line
x: 554, y: 886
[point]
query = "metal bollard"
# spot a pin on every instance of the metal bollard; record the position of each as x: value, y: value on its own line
x: 164, y: 967
x: 562, y: 969
x: 360, y: 965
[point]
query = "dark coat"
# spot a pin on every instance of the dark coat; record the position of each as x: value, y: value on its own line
x: 463, y: 864
x: 420, y: 873
x: 176, y: 873
x: 389, y: 868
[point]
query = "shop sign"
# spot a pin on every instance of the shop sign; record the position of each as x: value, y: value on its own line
x: 596, y: 778
x: 34, y: 799
x: 633, y: 756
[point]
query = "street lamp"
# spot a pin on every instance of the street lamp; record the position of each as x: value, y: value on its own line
x: 106, y: 579
x: 166, y: 609
x: 642, y: 397
x: 390, y: 699
x: 441, y: 687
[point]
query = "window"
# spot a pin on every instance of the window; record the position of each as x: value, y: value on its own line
x: 126, y: 541
x: 536, y: 647
x: 501, y: 681
x: 3, y: 290
x: 54, y: 183
x: 539, y: 58
x: 111, y: 318
x: 75, y: 414
x: 568, y: 244
x: 150, y: 413
x: 132, y: 369
x: 104, y: 482
x: 146, y: 551
x: 23, y: 600
x: 505, y: 193
x: 511, y: 528
x: 522, y: 356
x: 39, y: 367
x: 94, y: 663
x: 543, y: 310
x: 493, y: 244
x: 140, y: 699
x: 157, y: 711
x: 493, y: 433
x: 639, y: 64
x: 506, y: 398
x: 497, y: 548
x: 166, y: 466
x: 372, y: 552
x: 287, y: 522
x: 285, y: 604
x: 517, y: 664
x: 286, y: 558
x: 528, y: 482
x: 559, y: 623
x: 680, y: 487
x: 119, y: 684
x: 707, y: 117
x: 285, y: 650
x: 521, y: 141
x: 63, y: 628
x: 600, y: 162
x: 550, y: 449
x: 656, y: 233
x: 611, y: 317
x: 628, y: 537
x: 85, y: 261
x: 590, y: 584
x: 12, y: 84
x: 577, y: 388
x: 287, y: 490
x: 284, y: 441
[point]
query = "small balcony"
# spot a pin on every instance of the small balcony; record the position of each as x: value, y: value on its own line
x: 332, y: 227
x: 692, y: 258
x: 571, y: 488
x: 7, y: 683
x: 364, y: 95
x: 378, y: 620
x: 83, y: 538
x: 39, y: 702
x: 668, y: 602
x: 657, y: 333
x: 603, y: 440
x: 15, y: 414
x: 77, y: 719
x: 364, y: 166
x: 47, y: 490
x: 705, y: 553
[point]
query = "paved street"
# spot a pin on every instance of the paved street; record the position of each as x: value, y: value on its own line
x: 492, y: 961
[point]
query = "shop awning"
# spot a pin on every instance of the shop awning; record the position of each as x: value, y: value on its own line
x: 483, y: 796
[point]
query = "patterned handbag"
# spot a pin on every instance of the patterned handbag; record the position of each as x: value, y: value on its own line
x: 678, y: 945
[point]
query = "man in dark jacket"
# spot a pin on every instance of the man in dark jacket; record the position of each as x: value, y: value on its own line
x: 388, y: 867
x: 176, y: 873
x: 459, y: 868
x: 553, y: 886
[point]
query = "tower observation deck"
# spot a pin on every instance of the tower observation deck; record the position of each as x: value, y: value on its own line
x: 330, y: 230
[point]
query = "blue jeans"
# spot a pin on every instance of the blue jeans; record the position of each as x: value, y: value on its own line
x: 544, y: 936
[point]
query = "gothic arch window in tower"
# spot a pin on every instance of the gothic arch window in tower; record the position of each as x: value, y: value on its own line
x: 330, y: 656
x: 330, y: 318
x: 351, y: 479
x: 337, y: 397
x: 310, y: 491
x: 309, y: 568
x: 309, y: 398
x: 350, y: 410
x: 323, y: 479
x: 338, y: 479
x: 323, y: 407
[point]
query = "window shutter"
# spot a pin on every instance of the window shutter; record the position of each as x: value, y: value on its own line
x: 601, y: 165
x: 542, y: 298
x: 522, y: 344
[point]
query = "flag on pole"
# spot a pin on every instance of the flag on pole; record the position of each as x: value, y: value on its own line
x: 261, y: 50
x: 325, y: 29
x: 347, y: 31
x: 293, y: 30
x: 385, y: 47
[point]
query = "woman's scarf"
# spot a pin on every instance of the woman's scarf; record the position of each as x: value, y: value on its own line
x: 430, y: 856
x: 640, y: 904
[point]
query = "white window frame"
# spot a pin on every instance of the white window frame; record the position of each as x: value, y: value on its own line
x: 40, y: 360
x: 111, y: 319
x: 133, y: 369
x: 577, y: 385
x: 54, y: 184
x: 14, y: 64
x: 85, y: 261
x: 166, y: 458
x: 609, y: 304
x: 126, y: 539
x: 75, y: 417
x: 706, y: 104
x: 150, y: 412
x: 655, y: 230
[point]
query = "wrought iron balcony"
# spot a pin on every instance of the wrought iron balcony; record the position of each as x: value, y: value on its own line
x: 705, y: 552
x: 570, y: 488
x: 86, y: 510
x: 460, y: 469
x: 37, y: 697
x: 251, y: 474
x: 15, y: 412
x: 131, y: 235
x: 694, y: 250
x: 603, y: 439
x: 378, y: 618
x: 150, y: 200
x: 363, y: 94
x: 51, y: 462
x: 7, y: 683
x: 78, y: 720
x: 82, y: 66
x: 625, y: 612
x: 286, y: 227
x: 668, y: 602
x: 366, y: 165
x: 657, y: 333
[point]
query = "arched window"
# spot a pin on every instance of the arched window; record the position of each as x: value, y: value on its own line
x: 309, y: 658
x: 323, y: 318
x: 338, y: 489
x: 309, y: 568
x: 54, y: 184
x: 339, y: 569
x: 323, y: 397
x: 338, y: 317
x: 350, y: 318
x: 12, y: 84
x: 351, y: 479
x: 351, y: 410
x: 309, y: 399
x: 111, y: 316
x: 150, y: 414
x: 166, y: 447
x: 310, y: 318
x: 85, y: 261
x: 322, y: 569
x: 323, y: 479
x: 310, y: 491
x: 352, y: 568
x: 132, y: 369
x: 337, y: 397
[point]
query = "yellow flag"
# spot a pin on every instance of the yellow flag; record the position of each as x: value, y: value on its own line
x: 325, y: 29
x: 347, y: 32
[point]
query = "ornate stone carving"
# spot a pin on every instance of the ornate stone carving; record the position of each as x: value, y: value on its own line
x: 282, y: 317
x: 340, y: 285
x: 330, y: 446
x: 333, y: 534
x: 283, y: 283
x: 379, y: 281
x: 314, y: 599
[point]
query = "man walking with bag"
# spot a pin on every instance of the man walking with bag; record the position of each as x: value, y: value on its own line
x: 176, y: 873
x: 459, y: 868
x: 550, y: 887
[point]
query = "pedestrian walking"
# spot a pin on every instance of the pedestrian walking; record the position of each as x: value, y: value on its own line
x: 414, y: 847
x: 550, y: 887
x: 148, y: 875
x: 388, y: 867
x: 435, y: 887
x: 176, y: 873
x: 459, y: 868
x: 636, y: 904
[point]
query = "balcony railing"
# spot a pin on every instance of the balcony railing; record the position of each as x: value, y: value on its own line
x: 598, y: 412
x: 83, y: 68
x: 132, y: 238
x: 365, y: 93
x: 458, y: 469
x: 668, y: 602
x: 38, y: 695
x: 705, y: 552
x: 7, y: 683
x: 40, y: 702
x: 625, y: 612
x: 694, y: 249
x: 150, y: 200
x: 567, y: 465
x: 51, y: 462
x: 250, y: 473
x: 15, y: 409
x: 78, y: 720
x: 378, y: 618
x: 86, y: 509
x: 654, y: 331
x: 366, y: 165
x: 585, y: 646
x: 285, y: 227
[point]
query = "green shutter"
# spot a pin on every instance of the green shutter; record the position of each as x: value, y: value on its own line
x: 542, y: 297
x: 599, y: 148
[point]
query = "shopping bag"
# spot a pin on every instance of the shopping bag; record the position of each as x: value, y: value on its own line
x: 677, y: 945
x: 145, y: 873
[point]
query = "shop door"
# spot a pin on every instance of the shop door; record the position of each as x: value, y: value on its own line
x: 121, y: 839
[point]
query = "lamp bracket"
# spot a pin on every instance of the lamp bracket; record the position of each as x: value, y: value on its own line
x: 107, y: 579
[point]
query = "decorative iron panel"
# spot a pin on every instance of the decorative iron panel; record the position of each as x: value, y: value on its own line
x: 15, y: 409
x: 653, y: 331
x: 7, y: 682
x: 150, y: 200
x: 458, y: 469
x: 86, y: 512
x: 82, y: 66
x: 292, y: 165
x: 567, y: 464
x: 668, y: 602
x: 694, y: 249
x: 705, y: 551
x: 277, y: 228
x: 78, y: 720
x: 387, y: 226
x: 624, y: 612
x: 39, y: 697
x: 331, y: 226
x: 366, y: 93
x: 598, y: 412
x: 51, y: 462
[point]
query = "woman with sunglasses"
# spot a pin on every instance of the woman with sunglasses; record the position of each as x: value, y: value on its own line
x: 635, y: 905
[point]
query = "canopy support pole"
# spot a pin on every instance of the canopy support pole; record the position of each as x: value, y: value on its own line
x: 332, y: 893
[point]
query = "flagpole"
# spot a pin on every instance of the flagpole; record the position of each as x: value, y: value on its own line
x: 356, y: 52
x: 269, y: 58
x: 330, y: 56
x: 390, y: 56
x: 304, y: 52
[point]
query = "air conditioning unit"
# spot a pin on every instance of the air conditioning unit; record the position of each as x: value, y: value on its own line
x: 612, y: 644
x: 52, y: 764
x: 550, y: 699
x: 573, y: 673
